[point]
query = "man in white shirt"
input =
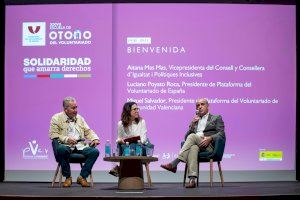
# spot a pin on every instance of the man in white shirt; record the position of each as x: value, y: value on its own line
x: 202, y: 131
x: 70, y: 129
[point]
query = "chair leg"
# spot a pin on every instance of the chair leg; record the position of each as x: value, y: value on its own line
x: 55, y: 175
x: 148, y: 174
x: 211, y: 172
x: 60, y: 176
x: 91, y: 180
x: 198, y: 174
x: 185, y: 172
x: 221, y: 174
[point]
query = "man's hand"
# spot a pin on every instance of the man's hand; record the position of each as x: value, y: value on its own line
x: 72, y: 140
x: 95, y: 143
x: 196, y: 118
x: 205, y: 142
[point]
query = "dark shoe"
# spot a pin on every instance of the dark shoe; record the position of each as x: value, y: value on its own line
x: 115, y: 171
x: 191, y: 184
x: 68, y: 182
x: 169, y: 167
x: 82, y: 181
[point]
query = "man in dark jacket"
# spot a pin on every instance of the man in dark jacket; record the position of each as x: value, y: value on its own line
x: 203, y: 130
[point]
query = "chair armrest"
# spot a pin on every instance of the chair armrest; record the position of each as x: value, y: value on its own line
x: 217, y: 154
x: 219, y: 146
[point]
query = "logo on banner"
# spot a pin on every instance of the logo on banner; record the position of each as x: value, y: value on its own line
x: 265, y: 155
x: 34, y: 152
x: 65, y: 34
x: 34, y: 34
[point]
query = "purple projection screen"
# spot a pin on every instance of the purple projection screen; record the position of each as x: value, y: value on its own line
x: 50, y: 54
x: 242, y: 58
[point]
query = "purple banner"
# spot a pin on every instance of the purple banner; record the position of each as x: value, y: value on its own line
x: 53, y: 52
x: 242, y: 58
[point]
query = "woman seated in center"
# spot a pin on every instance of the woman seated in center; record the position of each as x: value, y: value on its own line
x: 130, y: 125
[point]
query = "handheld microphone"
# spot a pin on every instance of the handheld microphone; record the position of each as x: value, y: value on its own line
x: 197, y: 112
x: 81, y: 140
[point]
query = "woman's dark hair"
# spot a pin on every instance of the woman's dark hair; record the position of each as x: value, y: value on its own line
x: 126, y: 117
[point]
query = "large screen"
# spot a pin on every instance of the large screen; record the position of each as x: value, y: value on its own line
x: 242, y: 58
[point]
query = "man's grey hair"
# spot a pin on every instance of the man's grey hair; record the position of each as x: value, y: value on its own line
x: 67, y: 100
x: 205, y: 99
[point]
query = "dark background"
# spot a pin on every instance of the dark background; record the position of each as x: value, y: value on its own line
x: 24, y: 2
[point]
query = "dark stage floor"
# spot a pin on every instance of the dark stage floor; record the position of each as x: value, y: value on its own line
x: 250, y: 190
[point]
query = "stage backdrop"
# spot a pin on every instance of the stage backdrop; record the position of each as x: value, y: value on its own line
x: 242, y: 58
x: 53, y: 52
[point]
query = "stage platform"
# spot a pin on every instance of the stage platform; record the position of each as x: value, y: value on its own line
x: 246, y: 191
